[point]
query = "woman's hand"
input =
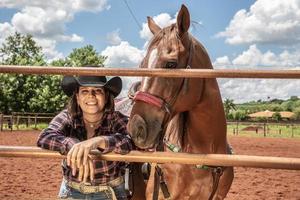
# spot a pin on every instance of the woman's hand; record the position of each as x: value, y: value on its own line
x: 86, y: 171
x: 78, y: 154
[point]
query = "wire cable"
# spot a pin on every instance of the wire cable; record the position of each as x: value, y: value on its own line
x: 132, y: 14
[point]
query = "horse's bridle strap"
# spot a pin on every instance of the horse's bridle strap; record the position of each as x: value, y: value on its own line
x: 150, y: 99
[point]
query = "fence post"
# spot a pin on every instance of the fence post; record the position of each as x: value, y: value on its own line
x: 35, y: 121
x: 18, y: 121
x: 264, y: 129
x: 1, y: 122
x: 292, y: 125
x: 10, y: 122
x: 237, y: 128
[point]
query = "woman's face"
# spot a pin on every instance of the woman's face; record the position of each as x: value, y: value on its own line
x: 91, y: 99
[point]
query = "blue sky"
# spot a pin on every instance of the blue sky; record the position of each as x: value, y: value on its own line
x: 261, y: 34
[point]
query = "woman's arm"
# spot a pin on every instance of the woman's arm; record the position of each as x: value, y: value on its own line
x: 54, y: 137
x: 119, y: 141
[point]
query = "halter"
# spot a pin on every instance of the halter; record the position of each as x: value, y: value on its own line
x: 161, y: 103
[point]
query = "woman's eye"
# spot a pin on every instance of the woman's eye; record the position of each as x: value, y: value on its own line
x: 171, y: 65
x: 99, y: 91
x: 84, y: 91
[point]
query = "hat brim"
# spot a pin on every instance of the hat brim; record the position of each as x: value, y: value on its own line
x: 70, y: 84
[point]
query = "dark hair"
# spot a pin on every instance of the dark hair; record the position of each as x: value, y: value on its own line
x: 76, y: 112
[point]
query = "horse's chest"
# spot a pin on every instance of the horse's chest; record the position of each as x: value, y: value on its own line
x: 186, y: 181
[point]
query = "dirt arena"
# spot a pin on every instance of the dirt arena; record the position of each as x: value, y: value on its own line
x: 23, y: 178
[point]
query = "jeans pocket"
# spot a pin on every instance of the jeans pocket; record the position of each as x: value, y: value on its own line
x: 64, y: 190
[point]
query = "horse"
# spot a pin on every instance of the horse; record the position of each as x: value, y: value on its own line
x: 186, y: 113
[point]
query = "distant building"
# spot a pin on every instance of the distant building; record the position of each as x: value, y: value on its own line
x: 269, y: 114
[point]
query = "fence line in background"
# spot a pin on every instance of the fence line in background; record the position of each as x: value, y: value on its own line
x: 190, y: 73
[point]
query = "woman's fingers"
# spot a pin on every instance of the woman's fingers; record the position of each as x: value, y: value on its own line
x: 73, y: 159
x: 85, y: 156
x: 86, y: 173
x: 92, y: 169
x: 69, y: 156
x: 79, y: 156
x: 80, y: 173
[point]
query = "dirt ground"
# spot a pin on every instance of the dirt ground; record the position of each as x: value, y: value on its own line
x: 23, y: 178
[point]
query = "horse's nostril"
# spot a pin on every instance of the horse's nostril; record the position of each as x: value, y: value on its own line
x: 140, y: 132
x: 138, y: 128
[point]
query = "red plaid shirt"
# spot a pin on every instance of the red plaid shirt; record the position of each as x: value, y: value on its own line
x: 63, y: 132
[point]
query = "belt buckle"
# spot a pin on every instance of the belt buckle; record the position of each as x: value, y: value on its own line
x: 81, y: 188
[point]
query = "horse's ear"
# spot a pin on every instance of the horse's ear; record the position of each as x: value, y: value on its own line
x: 154, y: 28
x: 183, y: 20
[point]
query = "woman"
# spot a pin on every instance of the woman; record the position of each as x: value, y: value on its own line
x: 88, y: 123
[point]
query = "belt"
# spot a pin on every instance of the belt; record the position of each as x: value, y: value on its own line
x: 86, y: 188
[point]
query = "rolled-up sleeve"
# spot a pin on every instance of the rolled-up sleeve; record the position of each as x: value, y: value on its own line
x: 54, y: 137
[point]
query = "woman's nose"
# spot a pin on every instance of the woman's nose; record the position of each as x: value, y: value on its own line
x: 92, y: 93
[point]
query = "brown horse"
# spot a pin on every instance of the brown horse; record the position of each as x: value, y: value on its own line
x: 187, y: 112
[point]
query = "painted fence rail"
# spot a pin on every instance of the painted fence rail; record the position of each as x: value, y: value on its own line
x: 134, y: 72
x: 165, y: 157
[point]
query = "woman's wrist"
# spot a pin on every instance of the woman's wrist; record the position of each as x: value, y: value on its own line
x: 101, y: 143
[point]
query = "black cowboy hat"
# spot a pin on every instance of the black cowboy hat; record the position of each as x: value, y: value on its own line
x: 70, y: 84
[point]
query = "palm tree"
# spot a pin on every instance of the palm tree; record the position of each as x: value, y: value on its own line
x: 228, y: 106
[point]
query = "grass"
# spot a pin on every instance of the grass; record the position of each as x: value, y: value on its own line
x: 272, y: 130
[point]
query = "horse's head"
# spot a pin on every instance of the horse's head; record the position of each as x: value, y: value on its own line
x: 159, y: 99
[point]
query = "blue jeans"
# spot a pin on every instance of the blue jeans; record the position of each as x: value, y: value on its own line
x: 67, y: 192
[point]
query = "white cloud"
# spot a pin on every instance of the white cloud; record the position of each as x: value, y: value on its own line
x: 243, y: 90
x: 267, y: 21
x: 46, y: 20
x: 122, y: 55
x: 222, y: 62
x: 163, y: 20
x: 6, y: 30
x: 114, y: 37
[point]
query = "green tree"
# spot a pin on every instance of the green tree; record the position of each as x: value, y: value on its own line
x: 17, y: 89
x: 239, y: 115
x: 83, y: 56
x: 276, y: 116
x: 21, y: 49
x: 228, y: 106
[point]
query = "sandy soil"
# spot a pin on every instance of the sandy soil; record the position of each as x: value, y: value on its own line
x: 23, y: 178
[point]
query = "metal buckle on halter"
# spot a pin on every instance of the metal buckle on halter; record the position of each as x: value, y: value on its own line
x: 167, y: 108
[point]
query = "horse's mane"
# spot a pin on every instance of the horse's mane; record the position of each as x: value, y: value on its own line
x: 176, y: 129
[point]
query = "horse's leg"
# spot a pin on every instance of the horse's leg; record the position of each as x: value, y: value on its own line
x: 150, y: 185
x: 224, y: 184
x: 139, y: 186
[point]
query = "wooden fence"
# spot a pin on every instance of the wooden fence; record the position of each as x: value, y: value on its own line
x: 209, y: 159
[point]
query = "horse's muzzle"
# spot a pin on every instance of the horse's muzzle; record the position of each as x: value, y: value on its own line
x: 137, y: 128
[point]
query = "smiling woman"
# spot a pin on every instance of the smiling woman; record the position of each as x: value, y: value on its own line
x: 90, y: 122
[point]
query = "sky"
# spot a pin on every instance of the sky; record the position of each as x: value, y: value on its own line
x: 248, y: 34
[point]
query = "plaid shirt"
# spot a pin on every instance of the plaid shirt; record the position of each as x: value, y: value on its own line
x: 63, y: 132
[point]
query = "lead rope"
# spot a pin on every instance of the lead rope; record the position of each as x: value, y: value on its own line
x: 216, y: 174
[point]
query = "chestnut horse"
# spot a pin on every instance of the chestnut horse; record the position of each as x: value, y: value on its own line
x: 186, y: 112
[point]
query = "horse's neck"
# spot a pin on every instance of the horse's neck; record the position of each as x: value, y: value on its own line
x: 203, y: 128
x: 206, y: 123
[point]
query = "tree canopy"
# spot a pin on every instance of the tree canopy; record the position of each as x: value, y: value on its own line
x: 36, y: 93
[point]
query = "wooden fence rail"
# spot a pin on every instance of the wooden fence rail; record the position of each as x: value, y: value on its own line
x: 166, y: 157
x: 190, y: 73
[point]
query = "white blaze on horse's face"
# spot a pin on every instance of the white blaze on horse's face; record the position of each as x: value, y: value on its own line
x: 151, y: 63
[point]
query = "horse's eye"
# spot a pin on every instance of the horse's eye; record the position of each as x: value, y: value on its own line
x: 171, y: 65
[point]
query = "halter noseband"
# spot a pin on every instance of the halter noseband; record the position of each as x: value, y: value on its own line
x: 152, y: 100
